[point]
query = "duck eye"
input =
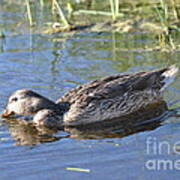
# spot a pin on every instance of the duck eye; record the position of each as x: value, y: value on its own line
x: 14, y: 99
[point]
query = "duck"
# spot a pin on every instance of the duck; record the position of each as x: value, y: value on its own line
x: 114, y: 96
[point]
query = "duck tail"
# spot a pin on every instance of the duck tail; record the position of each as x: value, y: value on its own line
x: 168, y: 76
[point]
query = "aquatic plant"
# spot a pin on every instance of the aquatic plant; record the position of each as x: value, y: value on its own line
x: 164, y: 17
x: 157, y: 17
x: 29, y: 14
x: 114, y: 8
x: 57, y: 7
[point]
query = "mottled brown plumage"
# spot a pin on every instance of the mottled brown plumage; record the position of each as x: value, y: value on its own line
x: 112, y: 96
x: 104, y: 99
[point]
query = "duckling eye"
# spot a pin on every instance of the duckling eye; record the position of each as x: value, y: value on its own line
x: 14, y: 99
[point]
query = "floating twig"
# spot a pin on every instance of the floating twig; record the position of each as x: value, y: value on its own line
x: 79, y: 169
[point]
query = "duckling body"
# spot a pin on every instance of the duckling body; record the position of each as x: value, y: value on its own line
x: 104, y: 99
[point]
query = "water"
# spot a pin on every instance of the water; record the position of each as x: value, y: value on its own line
x: 52, y: 65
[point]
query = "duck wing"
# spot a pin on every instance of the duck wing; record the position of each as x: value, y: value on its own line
x: 90, y: 88
x: 117, y: 85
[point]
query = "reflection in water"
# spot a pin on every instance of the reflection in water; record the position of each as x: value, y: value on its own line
x: 2, y: 44
x: 26, y: 134
x: 29, y: 135
x: 146, y: 119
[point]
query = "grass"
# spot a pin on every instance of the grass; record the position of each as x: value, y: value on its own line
x: 29, y: 14
x: 161, y: 15
x: 57, y: 7
x: 114, y: 8
x: 164, y: 17
x: 166, y: 11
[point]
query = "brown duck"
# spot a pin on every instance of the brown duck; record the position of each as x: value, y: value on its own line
x: 103, y: 99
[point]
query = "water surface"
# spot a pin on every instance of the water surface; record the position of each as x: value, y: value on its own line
x: 52, y: 65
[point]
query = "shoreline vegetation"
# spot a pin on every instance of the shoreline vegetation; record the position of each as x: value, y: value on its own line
x: 161, y: 17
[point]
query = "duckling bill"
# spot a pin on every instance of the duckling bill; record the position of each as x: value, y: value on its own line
x: 104, y: 99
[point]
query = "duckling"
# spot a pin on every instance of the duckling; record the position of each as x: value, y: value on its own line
x: 27, y: 102
x: 103, y: 99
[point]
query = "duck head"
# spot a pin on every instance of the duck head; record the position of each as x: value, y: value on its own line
x: 26, y: 102
x: 48, y: 118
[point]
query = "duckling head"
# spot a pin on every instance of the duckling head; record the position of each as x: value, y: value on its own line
x: 26, y: 102
x: 48, y: 118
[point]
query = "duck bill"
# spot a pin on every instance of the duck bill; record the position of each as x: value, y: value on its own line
x: 7, y: 114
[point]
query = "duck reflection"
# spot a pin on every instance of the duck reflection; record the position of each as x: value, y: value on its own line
x: 27, y: 134
x: 144, y: 120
